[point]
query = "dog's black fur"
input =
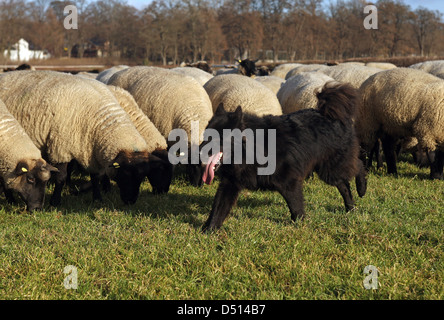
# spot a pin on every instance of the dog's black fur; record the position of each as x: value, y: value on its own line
x: 322, y: 140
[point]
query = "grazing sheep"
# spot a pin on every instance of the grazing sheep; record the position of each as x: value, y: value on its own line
x: 271, y: 82
x: 282, y: 70
x: 234, y: 90
x: 435, y: 67
x: 71, y: 118
x: 203, y: 65
x: 105, y: 75
x: 307, y: 68
x: 22, y: 168
x: 170, y: 100
x: 87, y: 75
x: 381, y: 65
x: 300, y: 91
x: 349, y: 73
x: 246, y: 67
x: 198, y: 74
x: 403, y: 103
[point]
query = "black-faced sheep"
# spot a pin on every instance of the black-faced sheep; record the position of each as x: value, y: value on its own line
x: 71, y: 118
x: 403, y: 103
x: 22, y: 168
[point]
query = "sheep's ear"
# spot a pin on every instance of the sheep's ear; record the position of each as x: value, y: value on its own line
x: 220, y: 110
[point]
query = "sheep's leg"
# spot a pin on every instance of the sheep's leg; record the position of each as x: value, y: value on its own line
x: 295, y: 200
x: 375, y: 152
x: 344, y: 190
x: 436, y: 164
x: 95, y: 182
x: 60, y: 179
x: 225, y: 199
x: 361, y: 179
x: 389, y: 147
x: 106, y: 183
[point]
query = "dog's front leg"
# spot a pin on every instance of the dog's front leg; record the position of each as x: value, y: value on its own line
x: 225, y: 199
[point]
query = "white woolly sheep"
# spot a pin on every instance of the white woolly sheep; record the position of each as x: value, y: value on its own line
x: 105, y: 75
x: 299, y: 92
x: 381, y: 65
x: 199, y: 75
x: 234, y: 90
x: 307, y: 68
x: 282, y: 70
x: 154, y: 139
x: 22, y: 168
x: 403, y: 103
x: 271, y: 82
x: 170, y: 100
x: 71, y: 118
x: 435, y: 67
x: 349, y: 73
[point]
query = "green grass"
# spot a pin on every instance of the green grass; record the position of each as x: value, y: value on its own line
x: 155, y: 250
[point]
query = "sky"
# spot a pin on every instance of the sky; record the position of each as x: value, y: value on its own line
x: 429, y: 4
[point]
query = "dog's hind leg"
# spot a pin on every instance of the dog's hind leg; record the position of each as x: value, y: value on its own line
x: 225, y: 199
x: 344, y: 189
x: 295, y: 200
x: 361, y: 179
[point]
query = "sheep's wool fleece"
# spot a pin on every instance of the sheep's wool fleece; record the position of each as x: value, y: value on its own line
x: 170, y: 100
x: 381, y: 65
x: 282, y: 70
x: 406, y: 103
x: 235, y: 90
x: 15, y: 144
x: 198, y: 74
x: 69, y: 117
x: 355, y: 75
x: 146, y: 128
x: 435, y: 67
x: 307, y: 68
x: 299, y: 91
x: 105, y: 75
x: 271, y: 82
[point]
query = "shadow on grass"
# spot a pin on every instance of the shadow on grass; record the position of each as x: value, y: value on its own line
x: 185, y: 205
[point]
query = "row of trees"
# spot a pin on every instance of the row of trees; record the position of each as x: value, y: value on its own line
x: 172, y: 31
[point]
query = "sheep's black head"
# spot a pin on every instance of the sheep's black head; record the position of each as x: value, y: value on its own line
x: 248, y: 67
x: 160, y: 171
x: 29, y: 180
x: 129, y: 170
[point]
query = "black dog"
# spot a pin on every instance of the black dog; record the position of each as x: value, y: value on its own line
x: 322, y: 140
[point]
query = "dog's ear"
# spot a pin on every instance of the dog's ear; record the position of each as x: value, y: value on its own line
x: 220, y: 110
x: 237, y: 116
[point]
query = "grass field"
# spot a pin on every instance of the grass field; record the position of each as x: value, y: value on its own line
x: 155, y: 250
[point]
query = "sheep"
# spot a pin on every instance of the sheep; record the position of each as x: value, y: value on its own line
x: 203, y: 65
x: 246, y: 67
x: 271, y: 82
x: 435, y: 67
x: 170, y: 100
x: 307, y: 68
x: 198, y: 74
x: 349, y: 73
x: 87, y: 75
x: 22, y: 168
x: 300, y: 91
x: 381, y: 65
x: 105, y: 75
x: 403, y: 103
x: 282, y: 70
x: 71, y: 118
x: 234, y: 90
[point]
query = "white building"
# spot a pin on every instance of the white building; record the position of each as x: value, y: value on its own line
x: 20, y: 52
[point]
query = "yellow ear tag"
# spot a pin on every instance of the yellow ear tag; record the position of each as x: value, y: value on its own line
x: 116, y: 165
x: 24, y: 170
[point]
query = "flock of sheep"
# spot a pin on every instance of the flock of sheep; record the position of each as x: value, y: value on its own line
x: 116, y: 124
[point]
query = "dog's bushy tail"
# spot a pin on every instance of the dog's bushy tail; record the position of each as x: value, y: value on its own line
x: 338, y: 101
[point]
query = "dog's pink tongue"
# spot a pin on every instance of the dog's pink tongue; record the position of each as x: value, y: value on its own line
x: 208, y: 175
